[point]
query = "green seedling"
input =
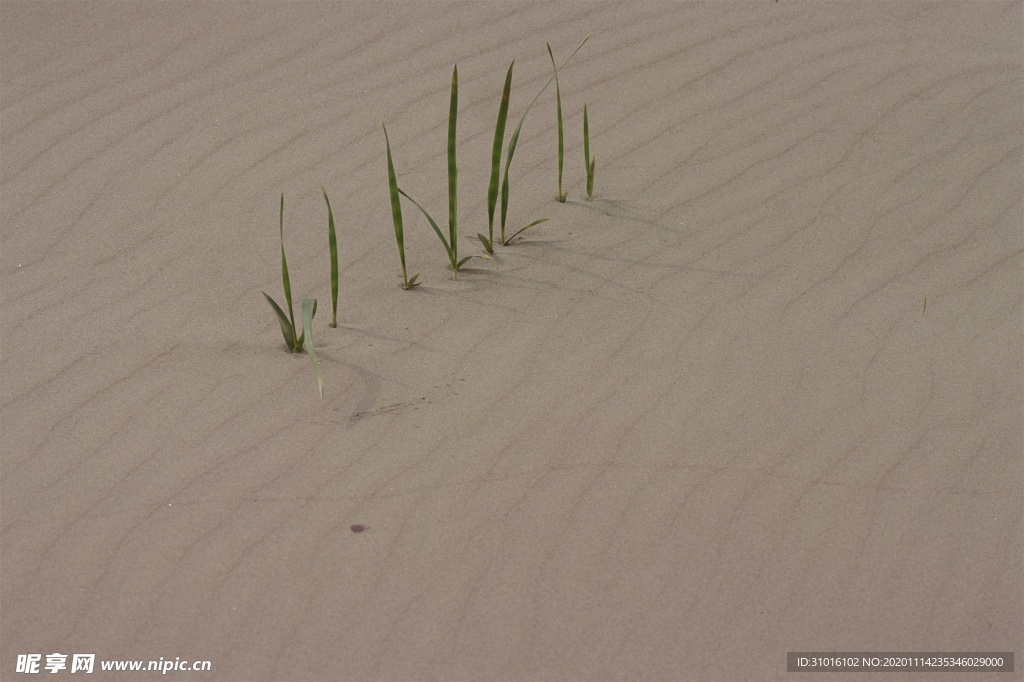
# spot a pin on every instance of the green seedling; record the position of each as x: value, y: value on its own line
x: 589, y: 161
x: 451, y: 245
x: 308, y: 312
x: 396, y: 214
x: 292, y: 338
x: 515, y: 140
x: 561, y: 137
x: 499, y: 139
x: 332, y: 241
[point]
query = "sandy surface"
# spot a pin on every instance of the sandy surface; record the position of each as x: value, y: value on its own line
x: 762, y: 394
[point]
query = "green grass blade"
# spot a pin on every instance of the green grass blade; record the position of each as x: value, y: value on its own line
x: 396, y: 214
x: 588, y: 161
x: 453, y: 173
x: 504, y: 193
x: 302, y: 336
x: 286, y: 326
x: 524, y: 228
x: 285, y: 279
x: 512, y: 143
x: 561, y: 137
x: 332, y: 241
x: 590, y: 178
x: 487, y: 244
x: 437, y: 230
x: 586, y: 138
x: 433, y: 223
x: 515, y: 140
x: 308, y: 311
x: 499, y: 139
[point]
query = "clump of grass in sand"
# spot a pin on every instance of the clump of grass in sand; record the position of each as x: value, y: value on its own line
x: 451, y: 245
x: 561, y: 137
x: 396, y: 215
x: 499, y: 139
x: 292, y: 338
x: 512, y: 149
x: 589, y: 161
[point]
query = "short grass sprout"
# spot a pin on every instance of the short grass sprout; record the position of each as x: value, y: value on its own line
x: 292, y: 338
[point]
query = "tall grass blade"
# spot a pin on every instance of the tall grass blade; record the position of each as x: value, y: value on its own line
x: 308, y: 312
x: 515, y: 140
x: 450, y: 242
x: 396, y: 214
x: 453, y: 173
x: 561, y: 137
x: 499, y: 139
x: 332, y: 241
x: 286, y: 281
x: 589, y: 161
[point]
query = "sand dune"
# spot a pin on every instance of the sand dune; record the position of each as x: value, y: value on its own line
x: 762, y: 394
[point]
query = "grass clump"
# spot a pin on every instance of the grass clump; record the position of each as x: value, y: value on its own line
x: 396, y: 215
x: 292, y: 338
x: 561, y: 137
x: 499, y: 139
x: 451, y: 245
x: 512, y: 149
x: 332, y: 242
x: 589, y: 161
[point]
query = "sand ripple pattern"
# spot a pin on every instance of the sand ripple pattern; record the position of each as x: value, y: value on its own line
x: 764, y: 392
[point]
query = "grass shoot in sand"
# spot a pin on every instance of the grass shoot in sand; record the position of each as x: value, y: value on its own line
x: 332, y: 242
x: 292, y: 338
x: 451, y: 245
x: 561, y: 136
x: 499, y: 140
x: 396, y: 215
x: 588, y: 160
x: 512, y: 150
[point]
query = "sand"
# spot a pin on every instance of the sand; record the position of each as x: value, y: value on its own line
x: 762, y: 394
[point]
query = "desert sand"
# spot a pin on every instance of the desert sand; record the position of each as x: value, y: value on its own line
x: 762, y: 394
